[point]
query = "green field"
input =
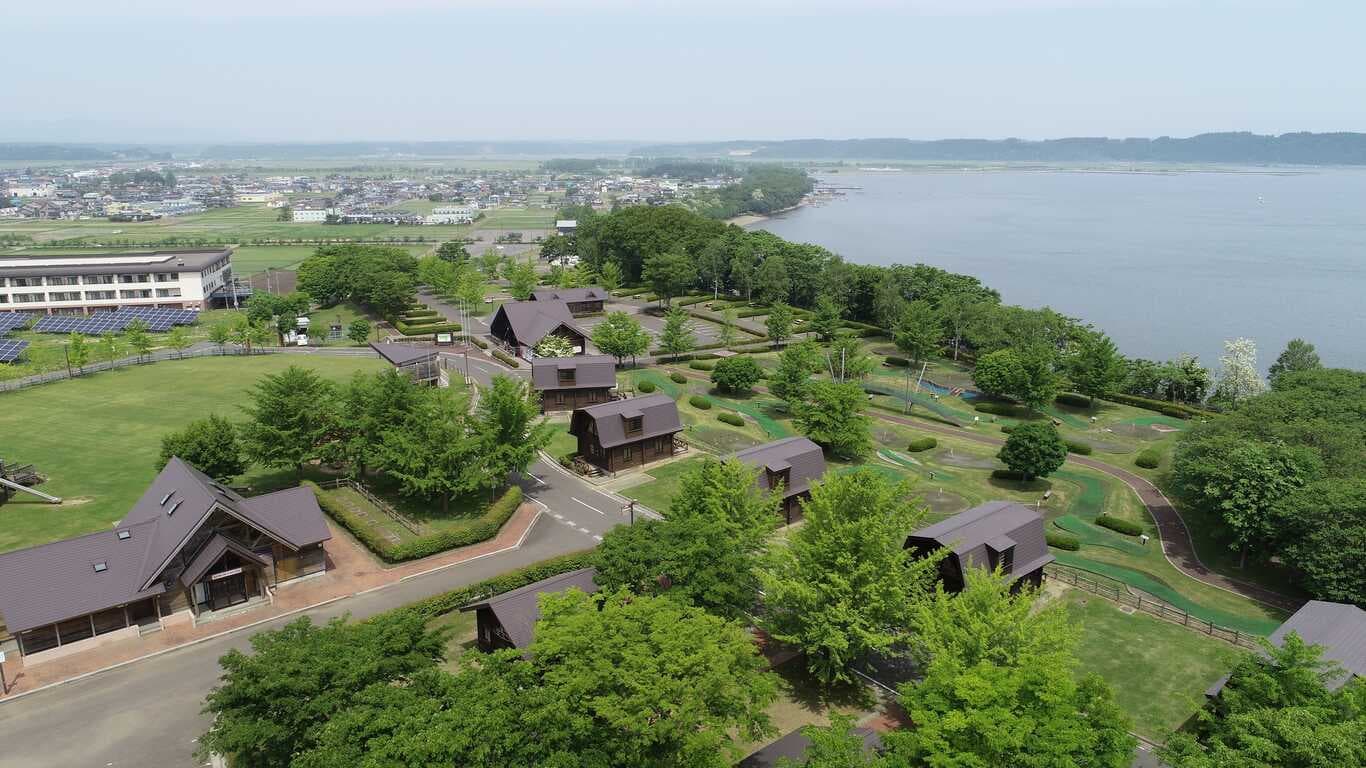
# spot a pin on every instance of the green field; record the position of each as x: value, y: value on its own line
x: 98, y: 437
x: 514, y: 218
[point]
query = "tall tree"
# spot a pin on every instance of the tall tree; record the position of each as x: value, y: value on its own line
x: 1299, y: 355
x: 509, y: 429
x: 771, y: 281
x: 779, y: 323
x: 621, y: 336
x: 452, y: 251
x: 918, y: 332
x: 669, y: 274
x: 210, y: 445
x: 955, y: 314
x: 368, y: 406
x: 610, y: 275
x: 1322, y: 530
x: 77, y: 351
x: 1034, y: 449
x: 846, y: 360
x: 827, y: 318
x: 291, y: 418
x: 725, y: 335
x: 677, y: 336
x: 1238, y: 377
x: 432, y: 452
x: 521, y: 280
x: 1095, y: 365
x: 833, y: 416
x: 845, y: 585
x: 791, y: 381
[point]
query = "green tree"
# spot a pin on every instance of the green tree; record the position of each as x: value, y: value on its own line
x: 370, y: 405
x: 918, y: 332
x: 725, y: 335
x: 837, y: 745
x: 1299, y: 355
x: 521, y: 280
x: 179, y: 339
x: 791, y: 381
x: 736, y: 375
x: 998, y: 373
x: 833, y: 416
x: 956, y: 312
x: 1034, y: 449
x: 109, y: 345
x: 845, y: 584
x: 1095, y: 365
x: 358, y: 331
x: 1238, y: 377
x: 291, y: 418
x: 779, y: 323
x: 210, y: 445
x: 669, y: 274
x: 1322, y: 532
x: 220, y: 334
x: 1000, y: 686
x: 554, y: 345
x: 77, y: 351
x: 509, y: 429
x: 433, y: 452
x: 452, y: 251
x: 1026, y: 375
x: 677, y: 336
x: 845, y: 360
x: 489, y: 262
x: 272, y: 704
x: 610, y: 275
x: 771, y: 281
x: 621, y: 336
x: 652, y: 682
x: 827, y: 318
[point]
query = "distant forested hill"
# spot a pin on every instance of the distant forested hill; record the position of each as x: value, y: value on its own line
x: 302, y: 151
x: 47, y: 153
x: 1242, y: 148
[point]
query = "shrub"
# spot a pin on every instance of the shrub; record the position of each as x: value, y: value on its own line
x: 1007, y: 474
x: 754, y: 312
x: 646, y: 386
x: 922, y: 444
x: 478, y: 342
x: 420, y: 328
x: 1148, y: 458
x: 1175, y: 410
x: 701, y: 365
x: 1119, y: 525
x: 699, y: 402
x: 994, y: 408
x: 1007, y: 428
x: 1062, y: 540
x: 678, y: 378
x: 897, y: 362
x: 1079, y: 448
x: 733, y: 419
x: 506, y: 358
x: 736, y: 374
x: 1073, y: 399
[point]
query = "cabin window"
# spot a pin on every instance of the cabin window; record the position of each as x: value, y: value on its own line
x: 626, y: 453
x: 566, y: 377
x: 559, y: 398
x: 634, y: 424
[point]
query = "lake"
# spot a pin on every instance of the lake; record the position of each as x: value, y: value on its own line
x: 1164, y: 261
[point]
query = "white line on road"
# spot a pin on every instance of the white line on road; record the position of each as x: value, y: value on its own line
x: 585, y: 530
x: 597, y: 537
x: 590, y: 506
x: 538, y: 480
x: 557, y: 515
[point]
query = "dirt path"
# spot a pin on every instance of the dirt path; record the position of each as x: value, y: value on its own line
x: 1175, y: 537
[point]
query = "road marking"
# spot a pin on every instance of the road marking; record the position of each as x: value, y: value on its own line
x: 538, y: 480
x: 557, y: 515
x: 590, y: 506
x: 585, y: 530
x: 597, y: 537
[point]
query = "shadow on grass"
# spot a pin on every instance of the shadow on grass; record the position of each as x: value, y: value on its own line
x: 804, y: 690
x: 1037, y: 485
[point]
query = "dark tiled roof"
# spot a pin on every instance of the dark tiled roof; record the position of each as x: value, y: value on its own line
x: 402, y: 354
x: 798, y: 454
x: 532, y: 321
x: 589, y: 371
x: 518, y: 610
x: 573, y: 295
x: 193, y: 261
x: 658, y: 412
x: 1338, y: 627
x: 213, y: 549
x: 968, y: 534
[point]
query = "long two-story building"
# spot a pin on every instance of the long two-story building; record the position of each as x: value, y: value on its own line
x: 85, y: 283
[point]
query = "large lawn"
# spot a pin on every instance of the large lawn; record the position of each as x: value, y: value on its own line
x: 1159, y: 671
x: 98, y: 437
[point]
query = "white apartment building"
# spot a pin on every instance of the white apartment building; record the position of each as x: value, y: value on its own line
x: 74, y: 285
x: 312, y: 215
x: 258, y: 196
x: 452, y: 214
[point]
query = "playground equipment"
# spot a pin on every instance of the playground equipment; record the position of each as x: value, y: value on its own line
x: 17, y: 478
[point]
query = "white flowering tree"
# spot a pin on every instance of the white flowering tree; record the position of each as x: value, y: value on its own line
x: 1238, y: 377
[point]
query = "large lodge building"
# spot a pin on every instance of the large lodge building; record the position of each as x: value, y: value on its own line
x: 87, y: 283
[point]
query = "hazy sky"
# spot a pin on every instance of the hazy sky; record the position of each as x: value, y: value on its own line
x: 328, y: 70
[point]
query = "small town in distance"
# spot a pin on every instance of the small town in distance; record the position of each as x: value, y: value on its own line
x: 436, y: 429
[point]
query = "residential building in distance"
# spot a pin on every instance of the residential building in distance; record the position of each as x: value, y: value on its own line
x: 520, y: 325
x: 189, y: 546
x: 421, y: 364
x: 628, y: 433
x: 311, y: 211
x: 998, y: 534
x: 580, y: 301
x: 452, y: 214
x: 509, y: 620
x: 257, y: 196
x: 790, y: 466
x: 84, y: 283
x: 566, y: 383
x: 566, y: 226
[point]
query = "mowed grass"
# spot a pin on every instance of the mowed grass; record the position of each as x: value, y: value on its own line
x: 658, y: 493
x: 1159, y: 671
x: 97, y: 437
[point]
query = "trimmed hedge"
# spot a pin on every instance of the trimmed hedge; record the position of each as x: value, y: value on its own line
x: 483, y: 529
x: 438, y: 605
x: 733, y: 419
x: 699, y: 402
x: 1175, y: 410
x: 417, y: 329
x: 702, y: 365
x: 1007, y: 428
x: 678, y: 378
x: 1073, y: 399
x: 922, y: 444
x: 1148, y: 458
x: 1081, y: 449
x: 646, y: 386
x: 506, y: 358
x: 753, y: 312
x: 1119, y: 525
x: 478, y: 342
x: 1008, y: 474
x: 690, y: 300
x: 898, y: 362
x: 1062, y: 540
x: 993, y: 408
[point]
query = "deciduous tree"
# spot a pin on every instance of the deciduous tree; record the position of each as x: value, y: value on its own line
x: 779, y: 323
x: 291, y: 418
x: 77, y: 351
x: 358, y: 331
x: 1034, y: 449
x: 677, y: 336
x: 521, y: 280
x: 833, y: 416
x: 1299, y: 355
x: 621, y: 336
x: 736, y: 374
x: 210, y: 445
x: 669, y: 274
x: 1095, y: 365
x: 1238, y: 376
x: 918, y: 332
x: 509, y: 429
x: 791, y: 382
x: 433, y: 452
x: 827, y: 318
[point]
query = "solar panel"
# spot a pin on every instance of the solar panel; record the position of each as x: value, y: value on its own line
x: 58, y: 323
x: 159, y: 318
x: 10, y: 349
x: 12, y: 320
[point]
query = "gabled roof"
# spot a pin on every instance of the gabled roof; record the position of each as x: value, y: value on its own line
x: 591, y: 293
x: 590, y: 371
x: 532, y: 321
x: 1339, y: 627
x: 995, y: 525
x: 400, y: 355
x: 658, y: 414
x: 518, y: 611
x: 213, y: 549
x: 798, y: 454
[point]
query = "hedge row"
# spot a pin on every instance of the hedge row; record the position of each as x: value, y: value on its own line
x: 438, y: 605
x: 678, y: 378
x: 688, y: 301
x: 922, y: 444
x: 898, y: 362
x: 1062, y: 540
x: 733, y: 419
x: 752, y: 312
x: 1148, y: 458
x: 483, y: 529
x: 418, y: 329
x: 1079, y: 448
x: 1073, y: 399
x: 646, y: 386
x: 1175, y: 410
x: 701, y: 365
x: 699, y: 402
x: 506, y: 358
x: 698, y: 348
x: 996, y: 409
x: 1119, y: 525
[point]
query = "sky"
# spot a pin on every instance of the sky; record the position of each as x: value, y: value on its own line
x: 190, y: 71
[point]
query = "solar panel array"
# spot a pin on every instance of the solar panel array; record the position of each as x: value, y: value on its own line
x: 10, y: 349
x: 155, y: 318
x: 12, y: 320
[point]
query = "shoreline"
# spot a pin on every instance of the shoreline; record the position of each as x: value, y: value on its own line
x: 747, y: 220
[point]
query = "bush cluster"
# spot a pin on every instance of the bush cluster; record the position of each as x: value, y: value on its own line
x: 419, y: 329
x: 699, y: 402
x: 1007, y: 428
x: 678, y: 378
x: 702, y: 365
x: 1079, y: 448
x: 897, y: 362
x: 1148, y: 458
x: 483, y: 528
x: 646, y: 386
x: 1073, y: 399
x: 1175, y: 410
x: 727, y: 417
x: 1062, y: 540
x: 994, y: 408
x: 506, y: 358
x: 1119, y: 525
x: 922, y: 444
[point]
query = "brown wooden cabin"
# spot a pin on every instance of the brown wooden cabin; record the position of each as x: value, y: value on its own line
x: 627, y: 433
x: 509, y: 620
x: 1002, y: 534
x: 581, y: 301
x: 566, y: 383
x: 792, y: 465
x: 521, y: 325
x: 421, y: 364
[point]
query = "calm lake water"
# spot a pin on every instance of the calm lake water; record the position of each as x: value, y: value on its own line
x: 1165, y: 262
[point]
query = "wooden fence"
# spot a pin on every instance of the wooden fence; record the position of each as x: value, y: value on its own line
x: 379, y: 503
x: 1150, y: 606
